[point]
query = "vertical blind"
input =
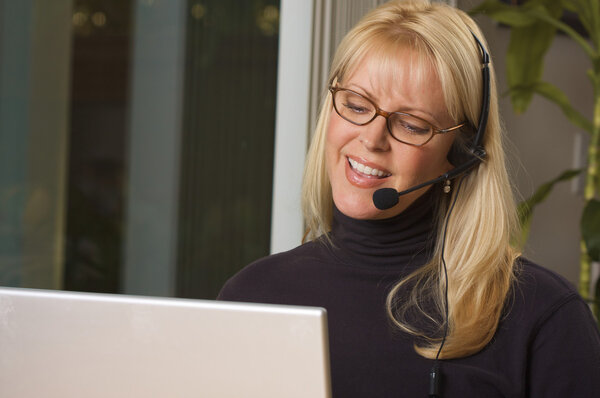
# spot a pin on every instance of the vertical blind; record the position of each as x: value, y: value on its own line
x: 227, y: 141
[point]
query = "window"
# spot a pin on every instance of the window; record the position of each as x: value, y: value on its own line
x: 136, y: 140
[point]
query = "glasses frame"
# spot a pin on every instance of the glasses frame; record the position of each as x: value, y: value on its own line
x: 380, y: 112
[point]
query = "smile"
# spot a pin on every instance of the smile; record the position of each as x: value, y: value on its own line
x: 366, y: 170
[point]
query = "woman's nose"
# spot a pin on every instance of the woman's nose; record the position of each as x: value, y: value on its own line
x: 374, y: 136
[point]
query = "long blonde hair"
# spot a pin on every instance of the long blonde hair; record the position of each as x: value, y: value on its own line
x: 477, y: 251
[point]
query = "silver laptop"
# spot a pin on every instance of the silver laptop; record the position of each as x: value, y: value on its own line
x: 67, y: 345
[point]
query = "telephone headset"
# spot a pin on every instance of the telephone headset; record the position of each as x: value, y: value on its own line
x: 387, y: 198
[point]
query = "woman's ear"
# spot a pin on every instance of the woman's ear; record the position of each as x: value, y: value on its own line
x: 460, y: 150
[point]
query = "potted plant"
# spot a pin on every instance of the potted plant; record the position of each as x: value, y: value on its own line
x: 534, y: 25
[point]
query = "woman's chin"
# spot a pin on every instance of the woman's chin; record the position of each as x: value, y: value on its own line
x: 358, y: 208
x: 361, y: 207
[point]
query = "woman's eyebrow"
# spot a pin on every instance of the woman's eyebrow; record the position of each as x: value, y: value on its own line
x: 365, y: 92
x: 427, y: 116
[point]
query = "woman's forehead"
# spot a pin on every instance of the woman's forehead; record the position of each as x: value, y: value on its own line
x: 405, y: 81
x: 390, y: 72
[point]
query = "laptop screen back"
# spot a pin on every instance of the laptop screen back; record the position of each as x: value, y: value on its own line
x: 61, y: 344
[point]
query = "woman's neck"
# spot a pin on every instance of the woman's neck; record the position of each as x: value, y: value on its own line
x: 405, y: 239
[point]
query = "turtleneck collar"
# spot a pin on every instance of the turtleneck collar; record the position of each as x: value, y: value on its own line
x: 405, y: 239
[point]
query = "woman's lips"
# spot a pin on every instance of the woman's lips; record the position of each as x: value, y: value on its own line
x: 364, y: 174
x: 367, y: 168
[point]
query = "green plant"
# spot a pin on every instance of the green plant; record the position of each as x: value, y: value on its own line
x: 534, y: 25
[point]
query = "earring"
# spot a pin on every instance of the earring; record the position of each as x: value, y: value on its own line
x: 447, y: 188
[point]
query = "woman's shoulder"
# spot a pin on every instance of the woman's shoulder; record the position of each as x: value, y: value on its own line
x: 263, y: 279
x: 530, y: 273
x: 552, y: 323
x: 542, y: 284
x: 540, y: 295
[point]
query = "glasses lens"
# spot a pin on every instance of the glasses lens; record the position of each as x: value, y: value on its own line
x: 409, y: 129
x: 353, y: 107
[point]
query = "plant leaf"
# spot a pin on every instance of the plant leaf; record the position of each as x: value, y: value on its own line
x: 595, y: 22
x: 504, y: 13
x: 524, y: 61
x: 581, y: 8
x: 526, y: 50
x: 556, y: 95
x: 590, y: 228
x: 552, y: 19
x: 525, y: 208
x: 589, y: 14
x: 593, y: 77
x: 570, y: 5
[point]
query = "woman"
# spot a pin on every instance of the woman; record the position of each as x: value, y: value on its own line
x: 404, y: 107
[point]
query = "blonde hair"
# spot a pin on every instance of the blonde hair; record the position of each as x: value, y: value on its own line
x: 477, y: 251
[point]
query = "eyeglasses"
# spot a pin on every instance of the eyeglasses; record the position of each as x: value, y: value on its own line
x: 403, y: 127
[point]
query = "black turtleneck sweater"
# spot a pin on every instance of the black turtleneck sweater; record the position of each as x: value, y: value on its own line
x: 546, y: 345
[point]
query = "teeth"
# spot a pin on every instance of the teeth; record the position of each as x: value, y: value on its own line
x: 366, y: 169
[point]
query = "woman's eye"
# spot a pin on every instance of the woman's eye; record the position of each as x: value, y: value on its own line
x: 355, y: 108
x: 412, y: 128
x: 415, y: 129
